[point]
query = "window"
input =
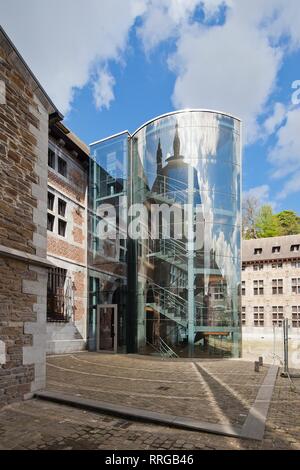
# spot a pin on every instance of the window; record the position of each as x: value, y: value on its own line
x: 62, y: 207
x: 277, y: 315
x: 258, y: 267
x: 296, y: 285
x: 243, y: 316
x: 59, y: 295
x: 50, y: 201
x: 277, y: 265
x: 277, y: 286
x: 259, y: 316
x: 257, y: 251
x: 258, y: 287
x: 243, y: 288
x: 50, y: 222
x: 276, y: 249
x: 62, y: 167
x: 296, y: 316
x: 218, y: 292
x: 243, y: 268
x: 295, y: 247
x: 295, y: 264
x: 62, y: 227
x: 51, y: 158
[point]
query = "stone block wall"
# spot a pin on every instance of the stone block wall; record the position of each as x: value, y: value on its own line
x: 23, y: 265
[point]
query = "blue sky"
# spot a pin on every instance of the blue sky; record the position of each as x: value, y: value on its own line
x: 113, y: 65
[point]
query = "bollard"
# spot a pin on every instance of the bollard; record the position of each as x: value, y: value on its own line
x: 256, y: 366
x: 261, y: 361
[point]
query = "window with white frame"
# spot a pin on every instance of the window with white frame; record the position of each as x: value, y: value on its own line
x: 277, y: 286
x: 295, y: 247
x: 258, y: 287
x: 258, y: 267
x: 259, y: 316
x: 243, y: 316
x: 278, y: 265
x: 277, y: 315
x: 51, y: 158
x: 295, y: 264
x: 243, y: 288
x: 57, y: 211
x: 296, y: 316
x: 296, y: 285
x: 62, y: 166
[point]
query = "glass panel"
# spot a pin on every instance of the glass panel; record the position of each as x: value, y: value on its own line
x: 189, y: 293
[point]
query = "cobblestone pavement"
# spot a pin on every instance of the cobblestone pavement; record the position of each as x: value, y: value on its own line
x: 212, y: 391
x: 36, y: 424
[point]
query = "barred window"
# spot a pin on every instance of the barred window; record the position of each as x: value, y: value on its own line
x: 59, y: 295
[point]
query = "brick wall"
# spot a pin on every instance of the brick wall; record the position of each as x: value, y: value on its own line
x: 69, y: 252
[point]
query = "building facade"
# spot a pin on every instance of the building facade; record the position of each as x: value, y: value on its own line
x: 25, y: 111
x: 66, y: 241
x: 270, y: 293
x: 177, y: 289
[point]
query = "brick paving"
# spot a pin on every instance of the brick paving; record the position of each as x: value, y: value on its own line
x: 38, y: 424
x: 211, y: 391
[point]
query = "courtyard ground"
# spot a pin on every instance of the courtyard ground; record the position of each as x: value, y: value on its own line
x: 213, y: 391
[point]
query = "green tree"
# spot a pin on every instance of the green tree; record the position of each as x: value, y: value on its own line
x: 289, y: 222
x: 267, y: 223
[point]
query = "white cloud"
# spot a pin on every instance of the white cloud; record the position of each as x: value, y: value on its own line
x: 63, y: 40
x: 231, y: 66
x: 274, y: 121
x: 163, y: 19
x: 259, y: 192
x: 103, y: 89
x: 285, y: 155
x: 262, y: 194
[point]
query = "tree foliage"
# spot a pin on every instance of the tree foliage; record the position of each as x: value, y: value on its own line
x: 289, y: 222
x: 261, y: 222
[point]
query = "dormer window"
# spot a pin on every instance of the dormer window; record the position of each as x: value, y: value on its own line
x: 257, y: 251
x: 295, y: 247
x: 276, y: 249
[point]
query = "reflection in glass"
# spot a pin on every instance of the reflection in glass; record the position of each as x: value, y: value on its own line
x: 188, y: 291
x: 171, y: 289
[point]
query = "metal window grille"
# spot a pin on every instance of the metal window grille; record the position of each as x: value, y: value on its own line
x: 60, y: 300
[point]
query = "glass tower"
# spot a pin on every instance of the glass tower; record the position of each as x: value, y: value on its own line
x: 179, y: 278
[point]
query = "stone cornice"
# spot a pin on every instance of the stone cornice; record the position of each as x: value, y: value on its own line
x: 21, y: 255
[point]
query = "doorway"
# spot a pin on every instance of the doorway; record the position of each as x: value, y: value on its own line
x: 107, y: 331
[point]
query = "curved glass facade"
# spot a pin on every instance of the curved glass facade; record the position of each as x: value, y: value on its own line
x: 173, y: 287
x: 188, y: 275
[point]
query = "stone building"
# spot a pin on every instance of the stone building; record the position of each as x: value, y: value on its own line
x: 270, y: 293
x: 67, y: 243
x: 25, y: 111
